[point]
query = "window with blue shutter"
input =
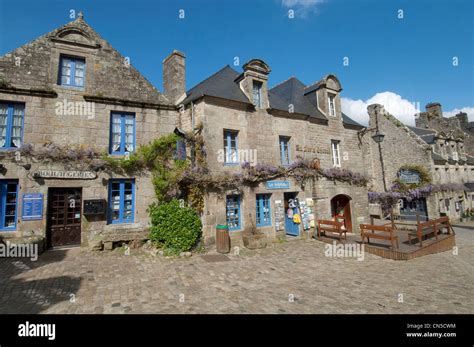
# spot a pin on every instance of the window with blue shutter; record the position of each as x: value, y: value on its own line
x: 285, y: 150
x: 233, y: 212
x: 121, y: 201
x: 122, y: 133
x: 11, y: 125
x: 230, y: 147
x: 8, y: 204
x: 72, y: 72
x: 180, y: 149
x: 263, y: 211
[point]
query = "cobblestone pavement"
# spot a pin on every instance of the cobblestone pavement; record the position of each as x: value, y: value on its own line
x: 289, y: 277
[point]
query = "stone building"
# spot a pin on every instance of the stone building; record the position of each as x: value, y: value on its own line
x: 440, y: 152
x: 70, y: 91
x: 453, y: 129
x: 245, y: 122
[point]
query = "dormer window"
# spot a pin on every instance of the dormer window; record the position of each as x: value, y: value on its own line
x: 257, y: 94
x: 332, y: 104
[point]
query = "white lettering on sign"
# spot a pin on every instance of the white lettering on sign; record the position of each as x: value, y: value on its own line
x: 85, y: 175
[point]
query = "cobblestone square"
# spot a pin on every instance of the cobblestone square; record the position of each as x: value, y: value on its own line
x: 288, y: 277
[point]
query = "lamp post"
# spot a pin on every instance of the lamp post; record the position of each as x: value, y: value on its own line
x: 378, y: 138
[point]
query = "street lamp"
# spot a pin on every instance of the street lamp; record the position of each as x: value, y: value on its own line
x: 378, y: 137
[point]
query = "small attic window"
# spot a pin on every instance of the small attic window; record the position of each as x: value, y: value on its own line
x: 257, y: 94
x: 332, y: 104
x: 72, y: 71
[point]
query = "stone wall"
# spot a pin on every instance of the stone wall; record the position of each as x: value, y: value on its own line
x: 259, y: 133
x: 399, y: 147
x: 29, y: 75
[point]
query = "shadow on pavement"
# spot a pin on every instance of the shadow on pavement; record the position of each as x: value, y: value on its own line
x: 33, y: 296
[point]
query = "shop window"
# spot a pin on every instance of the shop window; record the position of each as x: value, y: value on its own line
x: 233, y: 212
x: 8, y: 204
x: 122, y: 133
x: 263, y: 212
x: 285, y: 150
x: 335, y: 149
x: 72, y: 72
x: 11, y: 125
x: 121, y: 201
x: 230, y: 147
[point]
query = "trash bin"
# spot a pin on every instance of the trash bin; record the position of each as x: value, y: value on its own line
x: 222, y: 239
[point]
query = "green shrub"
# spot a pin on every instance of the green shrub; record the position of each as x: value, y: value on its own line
x: 176, y: 228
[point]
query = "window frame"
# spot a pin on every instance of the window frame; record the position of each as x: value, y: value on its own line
x: 281, y: 141
x: 332, y: 97
x: 74, y: 61
x: 336, y: 149
x: 260, y: 200
x: 121, y: 182
x: 238, y: 197
x: 9, y: 124
x: 123, y: 117
x: 228, y: 144
x: 3, y: 195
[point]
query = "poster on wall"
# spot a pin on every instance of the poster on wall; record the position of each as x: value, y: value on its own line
x: 279, y: 216
x: 32, y: 206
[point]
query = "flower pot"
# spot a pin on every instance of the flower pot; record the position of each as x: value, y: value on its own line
x: 253, y: 241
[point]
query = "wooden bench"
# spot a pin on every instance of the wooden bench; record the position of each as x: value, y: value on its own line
x: 384, y: 232
x: 332, y: 227
x: 430, y: 227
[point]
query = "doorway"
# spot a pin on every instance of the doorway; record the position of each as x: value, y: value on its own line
x: 415, y: 209
x: 64, y: 216
x: 291, y: 208
x: 341, y: 210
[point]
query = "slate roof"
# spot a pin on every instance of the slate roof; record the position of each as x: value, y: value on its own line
x: 427, y: 135
x: 469, y: 186
x: 292, y: 91
x: 222, y: 84
x: 437, y: 157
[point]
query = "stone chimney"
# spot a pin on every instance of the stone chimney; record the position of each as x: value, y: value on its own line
x: 174, y: 77
x: 434, y: 108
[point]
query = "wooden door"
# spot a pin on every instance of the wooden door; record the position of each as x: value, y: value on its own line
x: 64, y: 217
x: 341, y: 211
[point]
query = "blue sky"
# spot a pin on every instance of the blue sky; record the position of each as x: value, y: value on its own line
x: 398, y: 62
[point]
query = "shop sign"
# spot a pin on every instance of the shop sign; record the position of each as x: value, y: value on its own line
x: 409, y: 177
x: 278, y: 184
x: 59, y: 174
x: 308, y: 149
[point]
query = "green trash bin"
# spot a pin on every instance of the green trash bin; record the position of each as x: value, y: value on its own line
x: 222, y: 239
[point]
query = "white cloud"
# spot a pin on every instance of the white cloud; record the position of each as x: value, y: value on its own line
x: 403, y: 109
x: 302, y: 7
x: 468, y: 110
